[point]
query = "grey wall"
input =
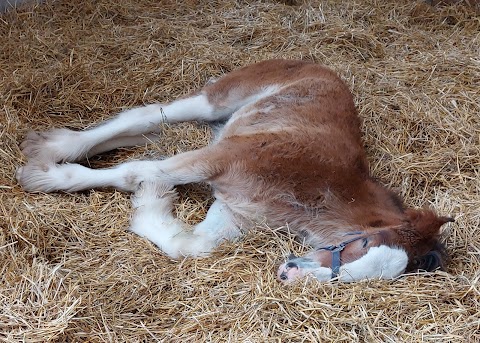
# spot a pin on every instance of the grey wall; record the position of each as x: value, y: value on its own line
x: 5, y: 5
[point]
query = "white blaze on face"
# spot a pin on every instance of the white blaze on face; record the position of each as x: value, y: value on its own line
x: 381, y: 262
x: 299, y: 267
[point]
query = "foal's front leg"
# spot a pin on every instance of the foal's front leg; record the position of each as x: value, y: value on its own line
x: 153, y: 219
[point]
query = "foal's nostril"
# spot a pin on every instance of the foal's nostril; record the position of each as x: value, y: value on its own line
x: 283, y: 276
x: 291, y: 265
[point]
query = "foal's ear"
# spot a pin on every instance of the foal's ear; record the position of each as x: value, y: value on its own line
x: 447, y: 220
x: 426, y: 222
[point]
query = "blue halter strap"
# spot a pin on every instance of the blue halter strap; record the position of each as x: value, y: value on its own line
x: 337, y: 249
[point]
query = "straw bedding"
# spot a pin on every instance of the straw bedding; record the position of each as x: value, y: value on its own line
x: 71, y: 272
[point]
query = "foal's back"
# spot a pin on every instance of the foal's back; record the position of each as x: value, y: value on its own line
x: 294, y: 148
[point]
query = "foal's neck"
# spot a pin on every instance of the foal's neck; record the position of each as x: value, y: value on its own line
x: 374, y: 206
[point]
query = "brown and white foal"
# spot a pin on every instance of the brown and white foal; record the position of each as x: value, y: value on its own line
x: 289, y: 153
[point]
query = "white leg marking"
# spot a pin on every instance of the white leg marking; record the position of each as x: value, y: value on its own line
x: 122, y: 141
x: 381, y: 262
x: 42, y: 177
x: 187, y: 167
x: 54, y: 145
x: 63, y: 145
x: 153, y: 219
x: 219, y: 224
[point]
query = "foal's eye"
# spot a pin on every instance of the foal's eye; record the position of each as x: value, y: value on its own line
x: 291, y: 265
x: 364, y: 242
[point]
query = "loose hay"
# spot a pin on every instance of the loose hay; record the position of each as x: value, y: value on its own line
x: 71, y: 272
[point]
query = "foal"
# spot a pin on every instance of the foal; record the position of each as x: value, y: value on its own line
x: 289, y: 152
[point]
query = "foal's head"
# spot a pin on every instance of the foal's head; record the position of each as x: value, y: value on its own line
x: 417, y: 235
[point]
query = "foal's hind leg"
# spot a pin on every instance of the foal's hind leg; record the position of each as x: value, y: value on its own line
x: 153, y: 219
x: 126, y: 129
x: 188, y: 167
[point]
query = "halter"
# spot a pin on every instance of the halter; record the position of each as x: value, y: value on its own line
x: 337, y: 249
